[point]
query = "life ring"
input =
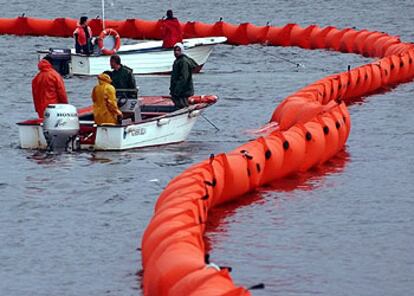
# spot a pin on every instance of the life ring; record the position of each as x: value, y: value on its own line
x: 103, y: 35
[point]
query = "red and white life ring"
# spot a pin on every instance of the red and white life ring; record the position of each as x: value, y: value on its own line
x: 106, y: 33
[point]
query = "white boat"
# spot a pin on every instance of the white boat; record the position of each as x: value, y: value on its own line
x: 143, y: 58
x: 161, y: 123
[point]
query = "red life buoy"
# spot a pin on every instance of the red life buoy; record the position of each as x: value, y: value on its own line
x: 103, y: 35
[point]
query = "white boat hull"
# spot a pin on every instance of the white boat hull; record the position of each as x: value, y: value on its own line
x: 170, y: 128
x: 143, y: 58
x: 159, y: 132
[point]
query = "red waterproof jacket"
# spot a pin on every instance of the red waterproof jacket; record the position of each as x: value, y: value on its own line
x: 171, y: 32
x: 47, y: 88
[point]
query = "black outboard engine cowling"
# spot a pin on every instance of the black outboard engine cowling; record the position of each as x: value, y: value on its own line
x: 61, y: 58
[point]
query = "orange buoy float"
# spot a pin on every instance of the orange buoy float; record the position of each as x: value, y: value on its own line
x: 105, y: 34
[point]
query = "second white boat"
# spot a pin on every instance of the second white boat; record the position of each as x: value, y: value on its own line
x: 143, y: 58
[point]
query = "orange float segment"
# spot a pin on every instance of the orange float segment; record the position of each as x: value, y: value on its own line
x: 376, y: 82
x: 382, y: 45
x: 385, y: 66
x: 177, y: 218
x: 315, y: 145
x: 346, y: 43
x: 394, y: 70
x: 189, y: 30
x: 331, y: 137
x: 274, y: 156
x: 302, y: 36
x: 368, y: 48
x: 333, y: 38
x: 7, y: 26
x: 237, y: 35
x: 217, y: 29
x: 63, y: 27
x: 359, y: 77
x: 287, y: 115
x: 127, y: 28
x: 340, y: 126
x: 200, y: 204
x: 165, y: 235
x: 190, y: 186
x: 366, y: 78
x: 308, y: 111
x: 359, y: 42
x: 35, y: 26
x: 396, y: 49
x: 410, y: 54
x: 327, y: 90
x: 293, y: 145
x: 256, y: 34
x: 254, y: 153
x: 334, y: 88
x: 318, y: 37
x: 176, y: 261
x: 284, y: 35
x: 296, y: 110
x: 236, y: 178
x: 404, y: 67
x: 19, y: 26
x: 346, y: 117
x: 191, y: 202
x: 220, y: 284
x: 272, y: 37
x: 207, y: 281
x: 203, y: 29
x: 352, y: 83
x: 147, y: 29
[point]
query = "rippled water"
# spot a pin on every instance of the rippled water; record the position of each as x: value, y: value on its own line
x: 70, y: 224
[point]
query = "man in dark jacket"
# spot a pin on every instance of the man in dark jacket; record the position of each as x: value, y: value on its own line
x: 122, y: 76
x: 181, y: 86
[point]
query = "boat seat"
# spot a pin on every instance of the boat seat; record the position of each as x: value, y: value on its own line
x: 90, y: 122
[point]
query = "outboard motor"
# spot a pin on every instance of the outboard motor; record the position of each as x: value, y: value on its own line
x: 60, y: 126
x: 61, y: 58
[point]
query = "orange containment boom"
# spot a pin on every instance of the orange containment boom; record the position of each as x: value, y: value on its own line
x: 313, y: 125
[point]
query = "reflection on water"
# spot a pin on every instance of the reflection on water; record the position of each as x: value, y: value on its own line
x: 313, y: 178
x: 219, y: 217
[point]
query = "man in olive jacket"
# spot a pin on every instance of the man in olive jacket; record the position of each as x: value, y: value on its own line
x: 181, y: 86
x: 122, y: 76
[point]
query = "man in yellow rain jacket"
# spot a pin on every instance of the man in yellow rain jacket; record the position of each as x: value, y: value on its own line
x: 105, y: 108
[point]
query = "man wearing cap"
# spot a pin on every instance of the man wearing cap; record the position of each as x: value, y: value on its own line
x: 105, y: 107
x: 181, y: 84
x: 83, y: 35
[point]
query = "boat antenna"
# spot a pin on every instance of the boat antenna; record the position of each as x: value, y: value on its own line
x: 103, y: 14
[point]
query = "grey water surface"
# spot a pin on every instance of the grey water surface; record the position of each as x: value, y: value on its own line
x: 70, y: 224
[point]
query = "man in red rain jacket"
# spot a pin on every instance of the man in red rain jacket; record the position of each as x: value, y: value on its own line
x: 47, y: 87
x: 171, y: 30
